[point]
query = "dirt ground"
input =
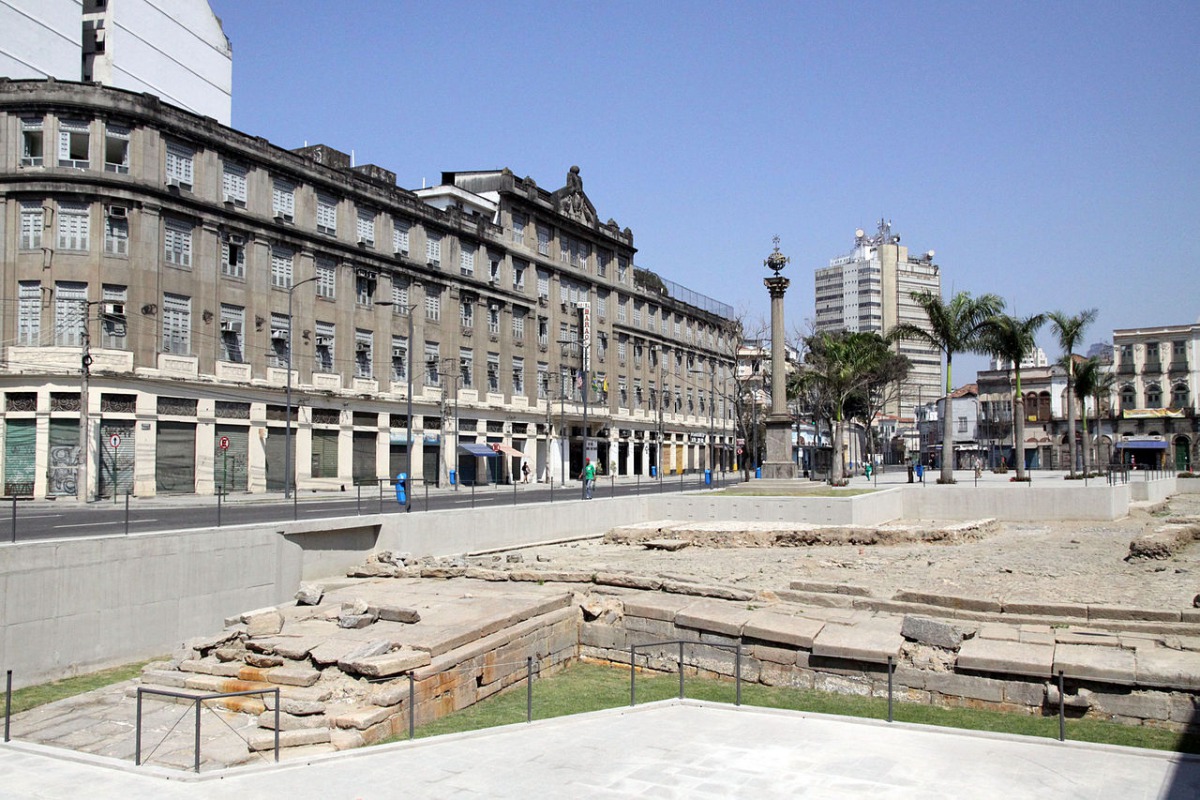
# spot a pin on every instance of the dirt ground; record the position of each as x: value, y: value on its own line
x: 1069, y: 562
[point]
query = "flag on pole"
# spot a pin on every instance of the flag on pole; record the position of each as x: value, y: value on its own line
x: 578, y: 380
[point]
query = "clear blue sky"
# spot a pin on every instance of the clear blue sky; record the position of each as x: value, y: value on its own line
x: 1048, y: 152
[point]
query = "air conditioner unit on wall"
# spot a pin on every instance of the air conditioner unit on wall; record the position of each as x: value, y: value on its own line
x: 113, y: 309
x: 278, y: 335
x: 231, y: 326
x: 362, y: 347
x: 324, y: 341
x: 118, y: 212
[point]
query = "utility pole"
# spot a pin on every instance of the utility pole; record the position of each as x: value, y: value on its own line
x: 85, y: 364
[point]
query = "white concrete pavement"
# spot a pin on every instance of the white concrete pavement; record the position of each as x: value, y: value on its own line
x: 669, y: 749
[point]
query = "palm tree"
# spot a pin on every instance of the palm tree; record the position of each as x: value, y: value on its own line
x: 1010, y: 339
x: 1092, y: 380
x: 838, y: 365
x: 954, y: 327
x: 1069, y: 331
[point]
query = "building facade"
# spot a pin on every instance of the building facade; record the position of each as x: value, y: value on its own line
x: 1157, y: 371
x: 178, y: 291
x: 870, y: 290
x: 177, y: 51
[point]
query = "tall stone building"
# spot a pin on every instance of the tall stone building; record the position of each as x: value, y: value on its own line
x: 210, y: 286
x: 870, y: 290
x: 176, y: 51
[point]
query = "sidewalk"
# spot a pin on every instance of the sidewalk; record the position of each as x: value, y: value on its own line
x: 667, y: 749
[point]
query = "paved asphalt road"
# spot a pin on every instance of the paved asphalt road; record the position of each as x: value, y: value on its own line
x: 49, y: 519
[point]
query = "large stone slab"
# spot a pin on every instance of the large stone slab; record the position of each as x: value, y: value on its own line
x: 387, y: 664
x: 1089, y: 662
x: 871, y: 639
x: 771, y: 626
x: 1015, y: 658
x: 1168, y: 669
x: 713, y: 616
x: 654, y: 605
x: 263, y: 622
x: 265, y: 740
x: 935, y: 632
x: 628, y: 581
x: 294, y: 676
x: 950, y: 601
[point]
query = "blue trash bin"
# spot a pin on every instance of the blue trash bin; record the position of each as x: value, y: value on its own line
x: 758, y: 472
x: 708, y: 477
x: 402, y: 488
x: 653, y: 471
x: 453, y: 477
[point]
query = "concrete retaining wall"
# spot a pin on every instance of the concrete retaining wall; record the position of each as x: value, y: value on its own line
x: 1097, y: 501
x: 1144, y: 491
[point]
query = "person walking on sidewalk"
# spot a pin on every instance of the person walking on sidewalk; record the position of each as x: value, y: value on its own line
x: 588, y: 476
x: 525, y: 472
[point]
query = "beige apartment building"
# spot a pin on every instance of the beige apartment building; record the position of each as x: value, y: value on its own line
x: 176, y: 291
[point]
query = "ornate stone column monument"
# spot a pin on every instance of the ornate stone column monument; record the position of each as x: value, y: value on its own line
x: 779, y: 463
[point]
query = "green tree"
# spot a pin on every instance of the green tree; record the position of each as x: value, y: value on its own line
x: 838, y: 366
x: 1094, y: 381
x: 1010, y: 339
x: 1069, y: 332
x: 954, y: 327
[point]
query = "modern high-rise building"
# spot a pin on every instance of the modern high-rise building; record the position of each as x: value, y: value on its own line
x: 176, y: 51
x: 870, y: 290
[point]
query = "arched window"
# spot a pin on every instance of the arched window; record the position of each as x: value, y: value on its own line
x: 1043, y: 411
x: 1128, y: 397
x: 1179, y: 396
x: 1153, y: 396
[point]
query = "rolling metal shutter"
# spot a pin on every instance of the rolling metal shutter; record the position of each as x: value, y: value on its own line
x: 362, y: 465
x: 64, y: 458
x: 430, y: 463
x: 273, y: 448
x: 116, y: 465
x: 231, y: 466
x: 324, y: 453
x: 175, y: 457
x: 20, y: 456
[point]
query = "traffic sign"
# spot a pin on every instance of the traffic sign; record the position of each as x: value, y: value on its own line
x: 114, y: 441
x: 224, y: 444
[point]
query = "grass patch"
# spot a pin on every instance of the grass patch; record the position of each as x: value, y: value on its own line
x: 43, y: 693
x: 584, y: 687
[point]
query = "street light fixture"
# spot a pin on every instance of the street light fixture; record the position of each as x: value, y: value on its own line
x: 287, y: 432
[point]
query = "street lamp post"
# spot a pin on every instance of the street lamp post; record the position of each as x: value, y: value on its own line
x: 712, y: 379
x: 583, y: 372
x: 287, y: 431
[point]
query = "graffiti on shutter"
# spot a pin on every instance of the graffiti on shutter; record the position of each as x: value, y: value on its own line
x: 64, y: 458
x: 20, y: 457
x: 116, y: 464
x: 231, y: 465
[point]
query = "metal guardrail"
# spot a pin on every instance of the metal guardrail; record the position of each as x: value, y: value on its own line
x: 199, y: 701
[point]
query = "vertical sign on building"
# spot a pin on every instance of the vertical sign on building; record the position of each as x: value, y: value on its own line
x: 585, y: 313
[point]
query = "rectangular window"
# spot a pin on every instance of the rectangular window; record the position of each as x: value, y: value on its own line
x: 116, y: 148
x: 518, y: 375
x: 564, y: 248
x: 400, y: 236
x: 70, y: 313
x: 233, y: 321
x: 177, y: 243
x: 543, y: 380
x: 962, y: 424
x: 494, y: 320
x: 326, y: 278
x: 518, y: 319
x: 621, y: 347
x: 519, y: 268
x: 622, y: 269
x: 283, y: 200
x: 493, y: 372
x: 233, y: 184
x: 433, y: 249
x: 73, y: 226
x: 399, y: 358
x: 32, y: 221
x: 365, y: 227
x: 179, y: 165
x: 113, y: 320
x: 400, y: 304
x: 364, y: 288
x: 518, y: 228
x: 466, y: 367
x: 116, y: 235
x: 327, y: 214
x: 602, y: 259
x: 543, y: 283
x: 323, y: 347
x: 620, y: 308
x: 466, y: 259
x: 601, y: 303
x: 433, y: 304
x: 177, y: 324
x: 73, y: 142
x: 493, y: 268
x: 29, y: 313
x: 466, y: 313
x: 362, y: 353
x: 32, y: 147
x: 543, y: 332
x: 233, y: 255
x: 637, y: 313
x: 433, y: 364
x: 543, y: 235
x: 280, y: 354
x: 281, y: 267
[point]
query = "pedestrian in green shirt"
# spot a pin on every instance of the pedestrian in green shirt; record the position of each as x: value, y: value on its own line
x: 589, y: 478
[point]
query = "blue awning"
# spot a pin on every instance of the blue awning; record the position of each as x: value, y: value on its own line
x: 477, y: 450
x: 1142, y: 444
